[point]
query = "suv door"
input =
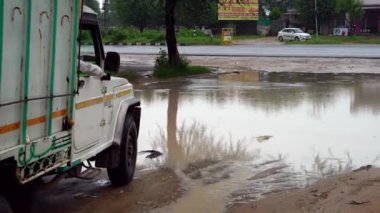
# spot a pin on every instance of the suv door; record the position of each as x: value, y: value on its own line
x: 286, y: 34
x: 89, y: 110
x: 292, y: 34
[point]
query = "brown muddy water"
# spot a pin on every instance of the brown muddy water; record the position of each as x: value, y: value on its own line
x: 239, y: 137
x: 232, y: 138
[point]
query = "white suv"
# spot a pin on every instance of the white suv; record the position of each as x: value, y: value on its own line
x: 292, y: 34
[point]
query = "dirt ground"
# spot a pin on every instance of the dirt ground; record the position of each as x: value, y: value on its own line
x: 148, y: 190
x: 316, y: 65
x: 151, y: 190
x: 265, y: 40
x: 352, y: 192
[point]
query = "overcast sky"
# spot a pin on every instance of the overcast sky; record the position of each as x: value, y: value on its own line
x: 101, y: 3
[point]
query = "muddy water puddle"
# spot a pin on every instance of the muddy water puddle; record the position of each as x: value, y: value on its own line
x: 243, y: 136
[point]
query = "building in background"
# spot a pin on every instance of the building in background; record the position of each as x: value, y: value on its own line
x: 371, y: 19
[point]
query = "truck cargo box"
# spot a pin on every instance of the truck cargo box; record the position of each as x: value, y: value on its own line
x: 38, y: 61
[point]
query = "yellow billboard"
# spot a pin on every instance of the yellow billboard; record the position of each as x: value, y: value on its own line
x: 238, y: 10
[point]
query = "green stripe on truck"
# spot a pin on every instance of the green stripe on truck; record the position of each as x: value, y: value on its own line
x: 26, y: 72
x: 52, y: 71
x: 1, y: 40
x: 74, y: 57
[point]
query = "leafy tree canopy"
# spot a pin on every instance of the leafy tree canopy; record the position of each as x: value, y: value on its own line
x: 93, y: 4
x: 326, y: 10
x: 138, y: 13
x: 352, y: 7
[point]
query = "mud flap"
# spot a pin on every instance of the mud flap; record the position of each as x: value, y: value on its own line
x: 109, y: 158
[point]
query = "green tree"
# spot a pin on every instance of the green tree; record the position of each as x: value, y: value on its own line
x: 138, y: 13
x: 351, y: 7
x: 197, y: 15
x: 93, y: 4
x: 282, y: 4
x: 275, y: 13
x: 170, y: 7
x: 326, y: 11
x: 143, y: 13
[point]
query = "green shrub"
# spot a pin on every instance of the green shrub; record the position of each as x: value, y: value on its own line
x: 158, y: 38
x: 117, y: 35
x: 133, y: 35
x: 86, y: 37
x: 130, y: 75
x: 163, y: 69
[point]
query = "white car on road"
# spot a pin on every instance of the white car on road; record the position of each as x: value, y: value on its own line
x: 292, y: 34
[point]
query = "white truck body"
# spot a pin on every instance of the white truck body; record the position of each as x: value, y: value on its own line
x: 51, y: 117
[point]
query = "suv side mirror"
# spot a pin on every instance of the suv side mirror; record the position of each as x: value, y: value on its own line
x: 112, y: 62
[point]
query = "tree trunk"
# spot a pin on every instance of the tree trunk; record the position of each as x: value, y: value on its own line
x: 171, y: 39
x: 175, y: 156
x: 141, y: 28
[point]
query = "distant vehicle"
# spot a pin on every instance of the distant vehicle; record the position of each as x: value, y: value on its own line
x: 292, y: 34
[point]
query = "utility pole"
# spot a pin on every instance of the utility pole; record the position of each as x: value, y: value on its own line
x: 316, y: 18
x: 105, y: 14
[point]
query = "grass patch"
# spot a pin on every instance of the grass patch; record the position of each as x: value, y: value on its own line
x: 184, y: 36
x: 130, y: 75
x: 163, y: 69
x: 172, y: 72
x: 248, y: 37
x: 341, y: 40
x: 199, y: 41
x: 133, y: 35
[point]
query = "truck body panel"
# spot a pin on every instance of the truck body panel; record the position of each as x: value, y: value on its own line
x: 37, y: 77
x: 51, y: 117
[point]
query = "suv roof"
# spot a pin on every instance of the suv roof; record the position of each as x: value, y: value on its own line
x: 291, y: 28
x: 88, y: 10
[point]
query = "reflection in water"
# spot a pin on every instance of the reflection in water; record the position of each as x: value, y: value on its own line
x: 321, y: 125
x: 329, y: 166
x: 198, y: 147
x: 366, y: 97
x: 175, y: 151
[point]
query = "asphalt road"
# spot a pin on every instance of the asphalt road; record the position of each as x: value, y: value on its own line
x: 313, y: 51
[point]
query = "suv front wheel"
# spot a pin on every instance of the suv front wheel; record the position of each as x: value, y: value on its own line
x: 123, y: 174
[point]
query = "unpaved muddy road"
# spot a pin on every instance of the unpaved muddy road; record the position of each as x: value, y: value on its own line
x: 234, y: 138
x: 270, y: 64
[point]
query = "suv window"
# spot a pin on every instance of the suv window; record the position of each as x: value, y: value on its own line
x: 91, y: 47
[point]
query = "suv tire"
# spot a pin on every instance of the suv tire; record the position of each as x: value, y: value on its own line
x: 123, y: 174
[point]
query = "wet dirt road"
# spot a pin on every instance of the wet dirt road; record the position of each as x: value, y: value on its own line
x: 235, y: 138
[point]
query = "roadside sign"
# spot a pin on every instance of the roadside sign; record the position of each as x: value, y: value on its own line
x: 227, y: 35
x: 238, y: 10
x: 340, y: 31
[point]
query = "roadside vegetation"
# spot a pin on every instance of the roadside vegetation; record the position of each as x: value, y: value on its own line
x: 131, y: 75
x: 163, y: 69
x: 341, y: 40
x: 131, y: 35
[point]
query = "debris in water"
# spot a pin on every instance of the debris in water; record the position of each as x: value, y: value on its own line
x: 152, y: 154
x: 368, y: 167
x: 353, y: 202
x: 263, y: 138
x: 83, y: 195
